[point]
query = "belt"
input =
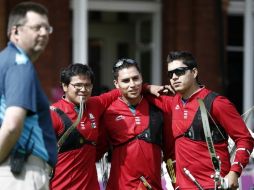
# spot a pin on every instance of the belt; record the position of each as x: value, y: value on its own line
x: 32, y: 161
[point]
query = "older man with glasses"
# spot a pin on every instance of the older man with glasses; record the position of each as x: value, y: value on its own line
x: 27, y: 140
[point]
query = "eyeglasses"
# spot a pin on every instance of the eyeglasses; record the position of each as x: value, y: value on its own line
x: 120, y: 62
x: 39, y: 27
x: 79, y: 86
x: 178, y: 72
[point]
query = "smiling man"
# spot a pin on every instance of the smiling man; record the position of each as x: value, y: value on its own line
x: 133, y: 128
x: 75, y: 169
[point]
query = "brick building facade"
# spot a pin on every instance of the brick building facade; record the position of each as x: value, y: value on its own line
x: 194, y: 25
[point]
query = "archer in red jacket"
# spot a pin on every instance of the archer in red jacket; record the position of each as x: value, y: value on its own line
x: 133, y: 127
x: 191, y: 151
x: 75, y: 169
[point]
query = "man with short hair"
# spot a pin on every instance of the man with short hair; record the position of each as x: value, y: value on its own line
x: 78, y: 114
x: 191, y: 151
x: 133, y: 128
x: 27, y: 140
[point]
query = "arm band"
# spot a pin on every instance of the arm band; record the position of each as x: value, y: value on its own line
x: 238, y: 163
x: 245, y: 149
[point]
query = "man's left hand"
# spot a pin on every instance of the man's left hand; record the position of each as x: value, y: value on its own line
x: 232, y: 180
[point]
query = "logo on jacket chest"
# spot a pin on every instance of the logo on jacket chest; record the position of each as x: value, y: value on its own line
x: 92, y: 119
x: 119, y: 117
x: 185, y: 114
x: 137, y: 119
x: 182, y: 113
x: 85, y: 123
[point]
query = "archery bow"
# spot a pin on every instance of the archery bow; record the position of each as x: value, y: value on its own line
x: 192, y: 178
x: 73, y: 126
x: 219, y: 181
x: 232, y: 148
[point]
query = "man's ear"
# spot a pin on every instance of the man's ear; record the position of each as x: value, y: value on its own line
x: 195, y: 70
x: 14, y: 30
x: 64, y: 87
x: 116, y: 84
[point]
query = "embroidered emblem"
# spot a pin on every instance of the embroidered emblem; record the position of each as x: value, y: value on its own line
x: 21, y: 59
x: 138, y: 120
x: 92, y: 118
x: 120, y: 117
x: 185, y: 114
x: 82, y: 125
x: 177, y: 107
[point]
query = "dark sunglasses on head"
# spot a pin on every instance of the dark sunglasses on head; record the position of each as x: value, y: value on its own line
x: 122, y: 61
x: 178, y: 72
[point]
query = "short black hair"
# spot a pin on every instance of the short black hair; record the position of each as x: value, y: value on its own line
x: 124, y: 63
x: 186, y: 57
x: 74, y: 70
x: 18, y: 13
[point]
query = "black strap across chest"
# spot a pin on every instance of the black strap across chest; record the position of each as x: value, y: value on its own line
x: 196, y: 131
x: 153, y: 134
x: 75, y: 140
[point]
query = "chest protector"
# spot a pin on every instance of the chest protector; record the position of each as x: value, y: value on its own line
x: 153, y: 134
x: 196, y: 131
x: 75, y: 140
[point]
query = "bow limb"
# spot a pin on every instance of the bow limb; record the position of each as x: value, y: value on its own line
x: 209, y: 141
x: 73, y: 126
x: 232, y: 146
x: 246, y: 115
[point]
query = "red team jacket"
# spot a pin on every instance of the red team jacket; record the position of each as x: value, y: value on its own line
x: 75, y: 169
x: 134, y: 158
x: 194, y: 155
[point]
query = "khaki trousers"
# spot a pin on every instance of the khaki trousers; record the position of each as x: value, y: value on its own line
x: 34, y: 176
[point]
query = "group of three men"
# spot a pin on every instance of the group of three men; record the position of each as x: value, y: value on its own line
x: 125, y: 119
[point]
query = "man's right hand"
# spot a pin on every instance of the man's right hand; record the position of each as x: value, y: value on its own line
x: 158, y: 90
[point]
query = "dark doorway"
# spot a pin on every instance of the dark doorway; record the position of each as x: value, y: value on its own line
x: 235, y: 61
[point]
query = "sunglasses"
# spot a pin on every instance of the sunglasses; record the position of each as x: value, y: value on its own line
x: 178, y: 72
x: 122, y: 61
